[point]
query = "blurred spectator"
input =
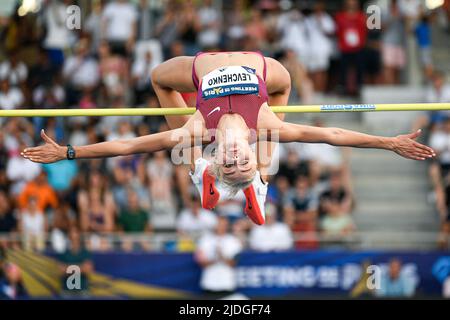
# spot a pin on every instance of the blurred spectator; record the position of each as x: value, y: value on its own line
x: 96, y: 210
x: 373, y: 55
x: 210, y: 20
x: 216, y: 253
x: 234, y: 25
x: 335, y: 208
x: 393, y: 39
x: 93, y: 25
x: 33, y: 226
x: 195, y: 220
x: 8, y: 221
x: 394, y: 283
x: 49, y: 97
x: 438, y: 91
x: 14, y: 70
x: 62, y: 221
x: 10, y: 97
x: 39, y: 189
x: 119, y: 26
x: 423, y: 37
x: 160, y: 175
x: 12, y: 287
x: 75, y: 255
x: 319, y: 27
x: 113, y: 71
x: 145, y: 21
x: 301, y: 213
x: 271, y: 236
x: 292, y: 32
x: 440, y: 143
x: 167, y: 28
x: 134, y: 219
x: 189, y: 26
x: 81, y: 72
x: 256, y: 29
x: 42, y: 73
x: 352, y: 34
x: 140, y: 76
x: 20, y: 170
x: 57, y: 36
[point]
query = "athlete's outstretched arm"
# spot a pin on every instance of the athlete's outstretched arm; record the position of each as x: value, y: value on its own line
x: 52, y: 152
x: 404, y: 145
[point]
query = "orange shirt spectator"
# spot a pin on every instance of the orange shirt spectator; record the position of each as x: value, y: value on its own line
x: 41, y: 190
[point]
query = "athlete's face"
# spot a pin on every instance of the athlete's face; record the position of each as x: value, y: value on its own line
x: 238, y: 161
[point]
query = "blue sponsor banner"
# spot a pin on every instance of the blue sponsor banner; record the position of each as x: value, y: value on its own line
x: 293, y: 273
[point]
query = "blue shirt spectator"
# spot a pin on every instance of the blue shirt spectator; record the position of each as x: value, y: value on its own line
x: 61, y: 174
x: 394, y: 283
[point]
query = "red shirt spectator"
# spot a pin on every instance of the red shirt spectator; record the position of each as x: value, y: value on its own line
x: 351, y: 29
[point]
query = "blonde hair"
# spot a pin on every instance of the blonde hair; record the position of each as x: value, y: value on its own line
x: 232, y: 186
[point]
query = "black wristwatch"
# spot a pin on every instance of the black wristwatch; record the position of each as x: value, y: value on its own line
x: 70, y: 152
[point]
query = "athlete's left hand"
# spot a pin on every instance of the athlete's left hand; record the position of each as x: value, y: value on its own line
x: 406, y: 146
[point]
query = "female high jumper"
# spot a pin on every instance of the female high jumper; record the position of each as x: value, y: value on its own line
x: 234, y: 92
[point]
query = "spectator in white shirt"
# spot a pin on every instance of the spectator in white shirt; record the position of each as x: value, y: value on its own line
x: 81, y: 72
x: 437, y: 92
x: 119, y: 25
x: 140, y: 75
x: 10, y: 97
x: 15, y: 71
x: 320, y: 27
x: 58, y: 36
x: 195, y: 220
x: 20, y: 170
x: 216, y: 253
x: 210, y: 25
x: 292, y: 29
x: 271, y: 236
x: 33, y: 226
x: 440, y: 142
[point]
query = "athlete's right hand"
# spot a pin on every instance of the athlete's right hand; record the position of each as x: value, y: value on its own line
x: 47, y: 153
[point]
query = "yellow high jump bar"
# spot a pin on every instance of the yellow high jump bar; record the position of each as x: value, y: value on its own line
x: 187, y: 111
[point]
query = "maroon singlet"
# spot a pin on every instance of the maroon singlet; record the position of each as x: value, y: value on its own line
x: 246, y: 105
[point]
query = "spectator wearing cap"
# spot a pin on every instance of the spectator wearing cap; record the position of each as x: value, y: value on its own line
x: 273, y: 235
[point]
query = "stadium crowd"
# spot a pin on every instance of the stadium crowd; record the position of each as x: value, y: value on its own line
x: 107, y: 63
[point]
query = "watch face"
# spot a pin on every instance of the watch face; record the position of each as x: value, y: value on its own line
x: 71, y: 153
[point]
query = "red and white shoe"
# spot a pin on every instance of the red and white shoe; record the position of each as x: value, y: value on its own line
x: 255, y: 198
x: 205, y: 184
